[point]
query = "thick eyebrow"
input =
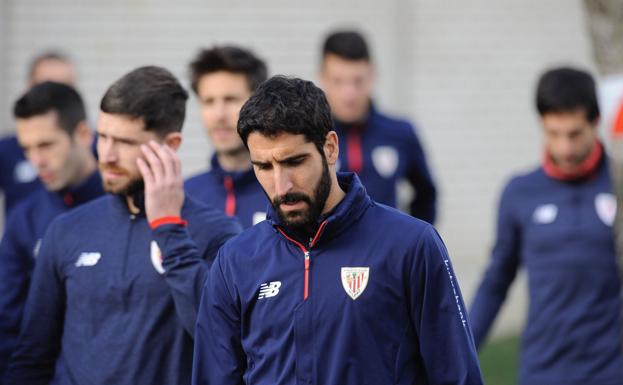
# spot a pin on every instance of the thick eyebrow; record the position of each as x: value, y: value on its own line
x: 291, y: 158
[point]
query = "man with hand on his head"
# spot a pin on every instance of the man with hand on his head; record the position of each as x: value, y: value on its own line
x: 117, y: 283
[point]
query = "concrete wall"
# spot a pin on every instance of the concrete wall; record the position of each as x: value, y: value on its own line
x: 464, y: 71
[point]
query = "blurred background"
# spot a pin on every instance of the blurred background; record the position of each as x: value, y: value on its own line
x: 463, y: 71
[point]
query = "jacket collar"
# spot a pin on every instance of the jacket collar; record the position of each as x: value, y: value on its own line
x: 342, y: 127
x: 341, y: 218
x: 586, y: 169
x: 89, y: 189
x: 240, y: 178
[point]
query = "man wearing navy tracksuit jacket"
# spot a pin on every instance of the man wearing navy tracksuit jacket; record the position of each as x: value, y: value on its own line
x: 25, y: 228
x: 235, y: 193
x: 17, y: 177
x: 52, y: 130
x: 334, y: 288
x: 382, y: 150
x: 117, y: 282
x: 223, y: 78
x: 556, y: 221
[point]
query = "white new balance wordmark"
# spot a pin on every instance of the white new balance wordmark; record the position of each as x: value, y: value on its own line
x: 268, y: 290
x: 88, y: 259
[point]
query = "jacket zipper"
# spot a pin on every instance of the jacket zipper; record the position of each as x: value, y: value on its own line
x: 312, y: 242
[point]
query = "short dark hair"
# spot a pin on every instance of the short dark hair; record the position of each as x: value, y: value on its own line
x: 47, y: 55
x: 49, y: 96
x: 287, y: 105
x: 149, y: 93
x: 348, y: 44
x: 230, y: 59
x: 567, y: 89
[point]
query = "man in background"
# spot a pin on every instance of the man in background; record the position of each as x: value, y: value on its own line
x: 53, y: 132
x: 223, y: 79
x: 382, y: 150
x: 116, y: 286
x: 556, y: 222
x: 17, y: 177
x: 328, y: 290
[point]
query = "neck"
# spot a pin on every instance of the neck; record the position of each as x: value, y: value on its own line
x: 235, y: 160
x: 88, y: 167
x: 586, y: 168
x: 335, y: 195
x: 131, y: 205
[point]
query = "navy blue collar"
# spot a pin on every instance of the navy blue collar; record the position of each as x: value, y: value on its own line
x: 89, y: 189
x: 343, y: 215
x: 341, y: 127
x: 239, y: 178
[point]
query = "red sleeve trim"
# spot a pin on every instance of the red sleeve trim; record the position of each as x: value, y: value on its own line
x: 167, y: 221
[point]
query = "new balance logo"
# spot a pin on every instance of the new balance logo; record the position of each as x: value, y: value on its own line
x: 88, y: 259
x: 268, y: 290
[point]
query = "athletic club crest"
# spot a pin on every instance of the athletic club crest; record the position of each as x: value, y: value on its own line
x: 385, y: 159
x: 355, y: 280
x: 156, y: 257
x: 606, y: 207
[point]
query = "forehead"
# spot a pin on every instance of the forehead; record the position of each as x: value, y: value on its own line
x: 222, y: 81
x: 566, y: 120
x: 53, y: 70
x: 39, y: 126
x: 266, y: 148
x: 336, y: 65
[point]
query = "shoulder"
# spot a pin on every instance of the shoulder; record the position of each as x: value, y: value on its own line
x: 198, y: 180
x: 395, y: 125
x: 248, y: 244
x: 8, y: 142
x: 204, y: 218
x: 30, y: 204
x: 520, y: 183
x: 92, y: 211
x: 396, y: 225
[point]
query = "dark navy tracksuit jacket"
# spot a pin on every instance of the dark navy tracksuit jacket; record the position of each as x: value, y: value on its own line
x: 371, y: 299
x: 18, y: 178
x: 234, y: 193
x: 114, y: 300
x: 384, y: 151
x: 25, y: 228
x: 561, y: 233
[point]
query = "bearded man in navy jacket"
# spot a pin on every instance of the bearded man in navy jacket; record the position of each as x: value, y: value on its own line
x: 117, y: 283
x: 333, y: 289
x: 52, y: 130
x: 556, y: 222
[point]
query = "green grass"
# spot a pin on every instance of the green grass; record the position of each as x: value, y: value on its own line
x: 498, y: 360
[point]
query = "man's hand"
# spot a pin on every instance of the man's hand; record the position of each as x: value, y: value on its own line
x: 162, y: 173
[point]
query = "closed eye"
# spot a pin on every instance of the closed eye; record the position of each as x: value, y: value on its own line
x: 262, y: 166
x: 295, y: 161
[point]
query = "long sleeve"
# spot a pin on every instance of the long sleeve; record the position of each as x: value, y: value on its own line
x: 15, y: 270
x: 500, y: 272
x: 186, y: 265
x: 438, y: 312
x: 39, y: 343
x: 424, y: 204
x: 219, y: 358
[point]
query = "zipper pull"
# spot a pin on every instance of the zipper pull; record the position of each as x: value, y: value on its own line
x: 306, y: 282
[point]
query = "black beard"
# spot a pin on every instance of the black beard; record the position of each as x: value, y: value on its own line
x: 135, y: 187
x: 306, y: 221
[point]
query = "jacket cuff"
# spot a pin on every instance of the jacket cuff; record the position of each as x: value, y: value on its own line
x: 167, y: 221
